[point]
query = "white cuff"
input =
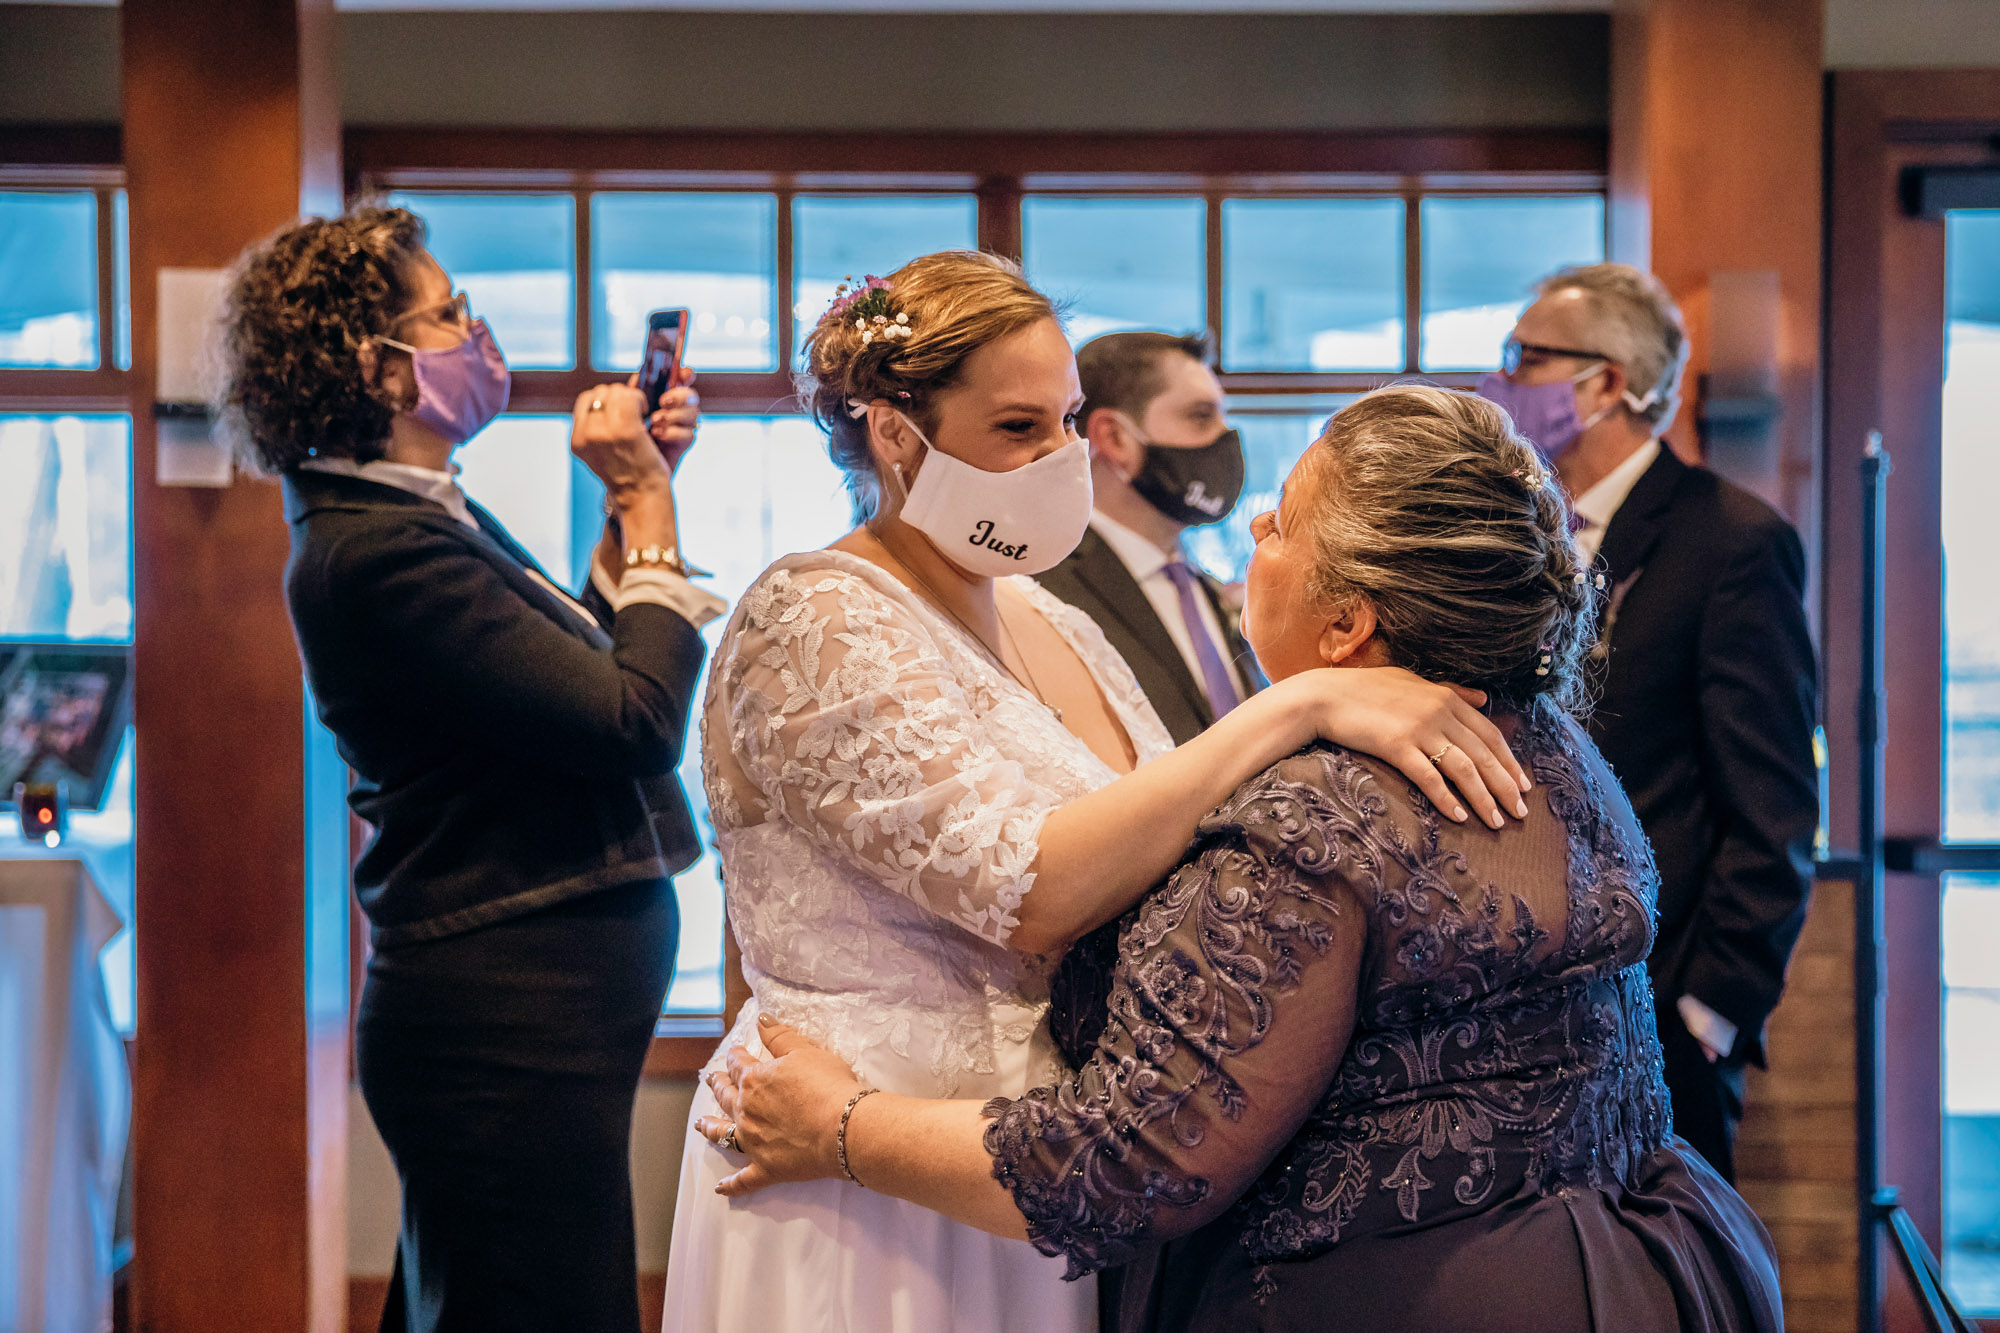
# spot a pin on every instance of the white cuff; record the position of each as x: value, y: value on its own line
x: 661, y: 587
x: 1711, y: 1029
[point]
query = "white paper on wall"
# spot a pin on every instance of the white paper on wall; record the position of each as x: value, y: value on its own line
x: 190, y: 302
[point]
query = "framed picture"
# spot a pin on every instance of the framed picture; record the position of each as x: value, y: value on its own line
x: 63, y: 710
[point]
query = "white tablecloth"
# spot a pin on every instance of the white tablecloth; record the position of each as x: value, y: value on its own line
x: 65, y: 1099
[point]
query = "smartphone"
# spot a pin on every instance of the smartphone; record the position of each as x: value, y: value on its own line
x: 666, y: 338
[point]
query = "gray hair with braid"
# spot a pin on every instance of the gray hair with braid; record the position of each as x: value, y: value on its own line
x: 1432, y: 509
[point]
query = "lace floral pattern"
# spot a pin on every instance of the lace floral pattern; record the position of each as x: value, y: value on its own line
x: 878, y: 789
x: 1451, y: 1042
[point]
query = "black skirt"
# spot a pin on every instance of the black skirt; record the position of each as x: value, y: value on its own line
x: 500, y: 1067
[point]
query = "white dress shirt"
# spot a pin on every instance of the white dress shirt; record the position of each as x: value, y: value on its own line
x: 662, y: 587
x: 1147, y: 565
x: 1597, y: 507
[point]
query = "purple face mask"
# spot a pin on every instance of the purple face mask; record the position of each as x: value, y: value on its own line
x: 459, y: 389
x: 1544, y: 413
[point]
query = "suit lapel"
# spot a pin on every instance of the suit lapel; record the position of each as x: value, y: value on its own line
x: 1100, y: 570
x: 1629, y: 541
x: 1635, y: 529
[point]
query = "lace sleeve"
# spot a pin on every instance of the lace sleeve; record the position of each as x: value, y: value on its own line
x: 848, y: 721
x: 1231, y: 1003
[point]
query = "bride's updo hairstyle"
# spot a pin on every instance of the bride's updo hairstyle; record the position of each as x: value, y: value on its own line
x: 953, y: 303
x: 1428, y: 505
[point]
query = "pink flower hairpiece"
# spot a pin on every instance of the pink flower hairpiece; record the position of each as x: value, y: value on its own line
x: 870, y: 307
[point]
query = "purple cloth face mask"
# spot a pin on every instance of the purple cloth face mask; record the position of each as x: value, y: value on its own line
x: 1544, y: 413
x: 459, y: 389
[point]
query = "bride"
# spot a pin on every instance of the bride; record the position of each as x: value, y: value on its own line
x: 929, y: 777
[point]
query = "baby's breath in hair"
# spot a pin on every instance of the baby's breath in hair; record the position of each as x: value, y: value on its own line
x: 870, y: 307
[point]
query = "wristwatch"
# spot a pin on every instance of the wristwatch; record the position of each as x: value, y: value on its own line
x: 662, y: 557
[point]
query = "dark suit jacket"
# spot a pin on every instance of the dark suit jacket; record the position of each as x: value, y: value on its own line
x: 1095, y: 581
x: 509, y: 753
x: 1705, y: 708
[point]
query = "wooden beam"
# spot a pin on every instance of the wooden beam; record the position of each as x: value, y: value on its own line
x: 384, y: 155
x: 1715, y: 167
x: 239, y: 1132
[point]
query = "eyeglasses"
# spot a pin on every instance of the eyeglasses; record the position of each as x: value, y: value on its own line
x: 455, y: 309
x: 1513, y: 350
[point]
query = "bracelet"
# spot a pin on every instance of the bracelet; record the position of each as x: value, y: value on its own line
x: 840, y: 1136
x: 662, y: 557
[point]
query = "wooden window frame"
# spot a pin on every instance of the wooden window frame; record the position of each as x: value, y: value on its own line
x: 999, y: 170
x: 103, y: 388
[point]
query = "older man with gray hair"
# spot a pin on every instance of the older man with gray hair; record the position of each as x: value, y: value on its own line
x: 1705, y: 669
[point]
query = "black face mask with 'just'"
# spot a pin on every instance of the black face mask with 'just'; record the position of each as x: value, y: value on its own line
x: 1194, y: 486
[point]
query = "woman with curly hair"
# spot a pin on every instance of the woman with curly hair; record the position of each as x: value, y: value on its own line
x: 929, y: 777
x: 1351, y: 1064
x: 514, y: 752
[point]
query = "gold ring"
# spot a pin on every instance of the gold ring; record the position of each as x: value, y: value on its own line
x: 597, y: 404
x: 1438, y: 758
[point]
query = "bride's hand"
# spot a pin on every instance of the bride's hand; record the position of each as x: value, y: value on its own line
x: 1431, y: 732
x: 786, y: 1110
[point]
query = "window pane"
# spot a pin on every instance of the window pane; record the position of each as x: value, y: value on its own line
x: 1482, y: 258
x: 514, y: 255
x: 121, y: 276
x: 1971, y: 489
x: 1272, y: 443
x: 1972, y: 1091
x: 715, y: 254
x: 1312, y: 284
x: 1119, y: 263
x: 519, y: 468
x: 48, y: 278
x: 1971, y: 486
x: 66, y: 527
x: 66, y: 573
x: 837, y: 238
x: 753, y: 489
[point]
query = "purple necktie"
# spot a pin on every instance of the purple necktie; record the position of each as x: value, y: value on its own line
x: 1215, y: 677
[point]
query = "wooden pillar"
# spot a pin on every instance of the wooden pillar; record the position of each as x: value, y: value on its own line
x: 1715, y: 169
x: 231, y: 126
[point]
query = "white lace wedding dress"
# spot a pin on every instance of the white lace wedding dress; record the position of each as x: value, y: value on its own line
x: 878, y: 788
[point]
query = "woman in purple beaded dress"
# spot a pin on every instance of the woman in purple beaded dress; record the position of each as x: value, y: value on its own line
x: 1353, y: 1065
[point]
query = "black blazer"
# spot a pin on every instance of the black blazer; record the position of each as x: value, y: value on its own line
x: 509, y: 753
x: 1095, y: 581
x: 1705, y: 709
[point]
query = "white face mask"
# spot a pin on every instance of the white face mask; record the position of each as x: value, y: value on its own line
x: 998, y: 523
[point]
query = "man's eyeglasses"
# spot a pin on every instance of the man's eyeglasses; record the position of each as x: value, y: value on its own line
x: 1514, y: 351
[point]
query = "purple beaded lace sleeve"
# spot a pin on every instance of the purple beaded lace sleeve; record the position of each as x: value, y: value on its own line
x: 1231, y: 1001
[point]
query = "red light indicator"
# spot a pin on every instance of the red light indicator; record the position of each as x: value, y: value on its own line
x: 46, y: 815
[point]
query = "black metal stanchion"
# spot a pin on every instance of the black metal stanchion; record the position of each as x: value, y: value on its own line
x: 1869, y: 1015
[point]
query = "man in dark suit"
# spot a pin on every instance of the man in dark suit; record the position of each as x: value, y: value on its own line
x: 1163, y: 459
x: 1705, y: 668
